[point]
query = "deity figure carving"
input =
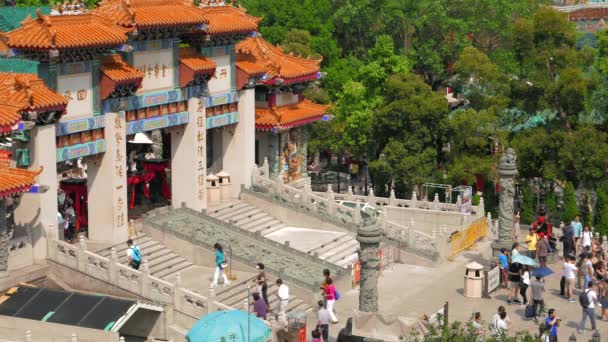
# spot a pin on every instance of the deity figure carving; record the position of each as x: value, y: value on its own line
x: 507, y: 171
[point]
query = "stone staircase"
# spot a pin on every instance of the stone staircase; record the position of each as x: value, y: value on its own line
x: 340, y: 250
x: 162, y: 261
x: 236, y: 296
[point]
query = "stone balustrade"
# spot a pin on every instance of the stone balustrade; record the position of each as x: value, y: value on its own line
x: 138, y: 282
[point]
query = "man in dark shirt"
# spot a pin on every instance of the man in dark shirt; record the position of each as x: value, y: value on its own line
x: 568, y: 241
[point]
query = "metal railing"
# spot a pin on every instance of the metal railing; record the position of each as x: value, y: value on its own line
x: 467, y: 237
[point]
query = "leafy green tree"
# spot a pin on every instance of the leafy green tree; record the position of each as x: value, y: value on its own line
x: 600, y: 219
x: 538, y: 154
x: 528, y: 205
x: 571, y: 209
x: 583, y: 165
x: 297, y: 42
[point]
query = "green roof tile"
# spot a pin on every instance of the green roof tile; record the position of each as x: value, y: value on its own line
x: 19, y: 65
x: 11, y: 17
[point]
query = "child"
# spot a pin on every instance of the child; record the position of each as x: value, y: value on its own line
x: 316, y: 336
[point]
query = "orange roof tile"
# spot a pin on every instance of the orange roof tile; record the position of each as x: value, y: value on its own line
x: 119, y: 71
x: 229, y: 19
x: 151, y: 13
x: 66, y: 31
x: 289, y: 116
x: 10, y: 115
x: 251, y: 68
x: 29, y: 93
x: 277, y: 63
x: 14, y: 181
x: 198, y: 63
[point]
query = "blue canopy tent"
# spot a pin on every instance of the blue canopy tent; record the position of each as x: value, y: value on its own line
x: 229, y: 326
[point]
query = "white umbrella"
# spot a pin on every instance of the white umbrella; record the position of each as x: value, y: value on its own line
x: 141, y: 138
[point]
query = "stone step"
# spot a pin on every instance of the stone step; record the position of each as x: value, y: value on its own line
x: 166, y: 264
x: 148, y: 253
x: 252, y: 218
x: 244, y: 217
x: 339, y: 250
x: 330, y: 244
x: 218, y: 211
x: 171, y: 276
x: 122, y: 247
x: 158, y: 263
x: 254, y: 223
x: 227, y: 215
x: 346, y: 260
x: 263, y: 226
x: 164, y: 273
x: 273, y: 228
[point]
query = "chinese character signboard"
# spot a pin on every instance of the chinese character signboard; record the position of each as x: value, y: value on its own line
x: 157, y: 67
x: 77, y: 89
x: 221, y: 81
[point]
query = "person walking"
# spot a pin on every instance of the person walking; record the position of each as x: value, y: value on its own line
x: 133, y: 255
x: 531, y: 241
x: 588, y: 301
x: 220, y: 266
x: 501, y: 327
x: 260, y: 282
x: 477, y: 325
x: 603, y: 294
x: 586, y: 238
x: 551, y: 324
x: 283, y: 294
x: 577, y: 229
x: 538, y: 287
x: 525, y: 283
x: 570, y: 271
x: 323, y: 322
x: 587, y: 269
x: 514, y: 249
x: 568, y: 241
x: 326, y: 275
x: 330, y: 299
x: 542, y: 250
x: 514, y: 280
x: 259, y: 306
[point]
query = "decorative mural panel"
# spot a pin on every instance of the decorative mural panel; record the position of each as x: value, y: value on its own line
x: 222, y: 120
x: 77, y: 89
x: 157, y: 67
x: 80, y: 125
x: 220, y: 99
x: 157, y: 122
x: 81, y: 150
x: 221, y: 81
x: 142, y: 101
x: 291, y: 156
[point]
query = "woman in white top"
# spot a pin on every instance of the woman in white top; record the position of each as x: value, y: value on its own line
x: 514, y: 250
x: 586, y: 237
x: 500, y: 326
x: 525, y: 283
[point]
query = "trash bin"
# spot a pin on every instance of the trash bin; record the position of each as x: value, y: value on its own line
x: 213, y: 190
x: 224, y: 179
x: 473, y: 280
x: 296, y: 327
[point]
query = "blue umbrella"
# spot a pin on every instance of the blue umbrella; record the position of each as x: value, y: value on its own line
x: 542, y: 272
x: 524, y: 260
x: 228, y: 326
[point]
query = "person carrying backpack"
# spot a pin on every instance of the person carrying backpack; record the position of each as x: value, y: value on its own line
x: 588, y: 300
x: 133, y: 255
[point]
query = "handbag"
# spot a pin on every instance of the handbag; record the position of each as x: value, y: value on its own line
x: 224, y: 265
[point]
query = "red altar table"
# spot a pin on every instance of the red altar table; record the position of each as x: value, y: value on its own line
x: 76, y: 189
x: 157, y: 167
x: 133, y: 180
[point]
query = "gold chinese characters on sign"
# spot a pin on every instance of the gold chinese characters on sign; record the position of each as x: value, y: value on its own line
x: 81, y: 95
x: 201, y: 157
x: 221, y: 73
x: 156, y: 70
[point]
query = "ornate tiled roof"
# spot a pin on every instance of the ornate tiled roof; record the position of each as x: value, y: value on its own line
x: 289, y: 116
x: 229, y: 19
x: 117, y: 70
x: 29, y: 93
x: 10, y: 115
x: 196, y: 62
x: 19, y: 65
x: 14, y: 181
x: 276, y: 62
x: 251, y: 68
x: 66, y: 31
x: 151, y: 13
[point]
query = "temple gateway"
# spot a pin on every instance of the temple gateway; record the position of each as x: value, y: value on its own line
x: 139, y: 104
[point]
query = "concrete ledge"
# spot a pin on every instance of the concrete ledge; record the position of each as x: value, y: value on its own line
x: 24, y: 275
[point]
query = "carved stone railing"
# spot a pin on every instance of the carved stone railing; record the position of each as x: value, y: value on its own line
x: 139, y: 282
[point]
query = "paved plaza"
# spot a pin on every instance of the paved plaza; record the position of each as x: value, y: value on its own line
x: 414, y: 290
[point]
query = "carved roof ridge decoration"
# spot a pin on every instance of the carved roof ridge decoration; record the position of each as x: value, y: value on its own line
x: 10, y: 115
x: 14, y: 181
x: 277, y: 63
x: 29, y: 93
x: 66, y: 32
x: 289, y: 115
x: 151, y: 13
x: 227, y: 19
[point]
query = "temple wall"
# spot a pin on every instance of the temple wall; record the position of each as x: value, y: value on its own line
x: 39, y: 210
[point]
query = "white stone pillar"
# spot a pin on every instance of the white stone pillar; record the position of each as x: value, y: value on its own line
x: 189, y: 160
x: 239, y: 144
x: 40, y: 210
x: 107, y: 185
